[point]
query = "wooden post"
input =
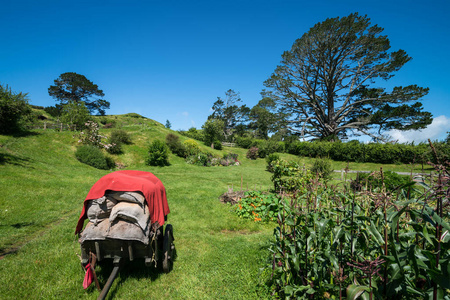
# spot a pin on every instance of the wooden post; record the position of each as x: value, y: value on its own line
x: 45, y: 125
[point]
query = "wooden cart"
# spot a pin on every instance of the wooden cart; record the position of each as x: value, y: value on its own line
x: 120, y: 240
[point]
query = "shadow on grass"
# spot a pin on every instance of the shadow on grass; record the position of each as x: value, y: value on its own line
x: 130, y: 269
x: 6, y: 158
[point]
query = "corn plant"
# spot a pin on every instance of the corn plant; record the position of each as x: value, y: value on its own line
x: 330, y: 243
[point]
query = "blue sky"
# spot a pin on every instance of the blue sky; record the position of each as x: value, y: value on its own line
x: 170, y: 60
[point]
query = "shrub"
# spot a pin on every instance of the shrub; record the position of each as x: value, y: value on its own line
x: 244, y: 142
x: 322, y: 168
x: 200, y: 159
x: 117, y: 138
x: 90, y: 136
x: 270, y: 159
x: 217, y: 145
x: 374, y: 180
x: 252, y: 153
x: 158, y: 154
x: 175, y: 145
x: 259, y: 206
x: 266, y: 147
x: 94, y: 157
x: 230, y: 159
x: 193, y: 133
x: 192, y: 147
x: 14, y: 110
x: 290, y: 177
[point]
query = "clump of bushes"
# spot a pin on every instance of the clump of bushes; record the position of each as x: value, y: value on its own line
x: 270, y: 159
x: 217, y: 145
x: 192, y: 147
x: 117, y: 139
x: 229, y: 159
x: 14, y: 110
x: 244, y: 142
x: 209, y: 160
x: 290, y: 177
x: 175, y: 145
x: 356, y: 151
x: 322, y: 168
x: 200, y: 159
x: 158, y: 154
x: 252, y: 153
x: 374, y: 180
x: 94, y: 157
x: 259, y: 206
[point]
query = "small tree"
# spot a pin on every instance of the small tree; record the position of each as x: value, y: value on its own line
x: 264, y: 118
x: 91, y: 136
x: 158, y: 154
x: 14, y: 110
x: 213, y: 131
x: 75, y: 114
x: 168, y: 125
x: 228, y: 111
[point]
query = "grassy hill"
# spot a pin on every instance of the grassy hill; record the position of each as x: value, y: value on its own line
x: 43, y: 188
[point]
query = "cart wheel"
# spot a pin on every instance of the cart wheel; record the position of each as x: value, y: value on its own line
x: 168, y: 247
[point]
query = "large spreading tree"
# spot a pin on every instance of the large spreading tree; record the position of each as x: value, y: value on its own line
x: 71, y: 87
x: 330, y: 83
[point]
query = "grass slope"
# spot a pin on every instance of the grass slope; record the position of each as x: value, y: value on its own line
x: 43, y: 187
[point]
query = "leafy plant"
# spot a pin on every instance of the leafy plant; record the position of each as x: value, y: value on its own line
x: 94, y: 157
x: 14, y: 110
x: 91, y: 136
x: 258, y: 206
x: 252, y: 153
x: 158, y: 154
x: 376, y: 180
x: 322, y: 168
x: 117, y: 139
x: 175, y: 145
x: 217, y: 145
x: 363, y: 245
x: 270, y: 159
x: 192, y: 147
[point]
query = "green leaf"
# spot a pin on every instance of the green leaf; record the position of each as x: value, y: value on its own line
x: 374, y: 232
x: 355, y: 291
x: 438, y: 219
x: 288, y: 290
x: 426, y: 235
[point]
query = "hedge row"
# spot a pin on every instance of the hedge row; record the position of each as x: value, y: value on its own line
x: 355, y: 151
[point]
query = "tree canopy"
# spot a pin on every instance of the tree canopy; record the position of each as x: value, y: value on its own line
x: 72, y: 87
x: 264, y: 119
x: 14, y: 110
x: 228, y: 111
x: 329, y: 81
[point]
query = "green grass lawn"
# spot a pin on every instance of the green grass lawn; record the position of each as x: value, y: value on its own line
x: 219, y: 256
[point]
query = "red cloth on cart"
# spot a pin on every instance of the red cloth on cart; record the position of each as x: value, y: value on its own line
x: 131, y: 181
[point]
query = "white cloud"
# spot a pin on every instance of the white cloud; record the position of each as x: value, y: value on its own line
x: 435, y: 131
x: 185, y: 113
